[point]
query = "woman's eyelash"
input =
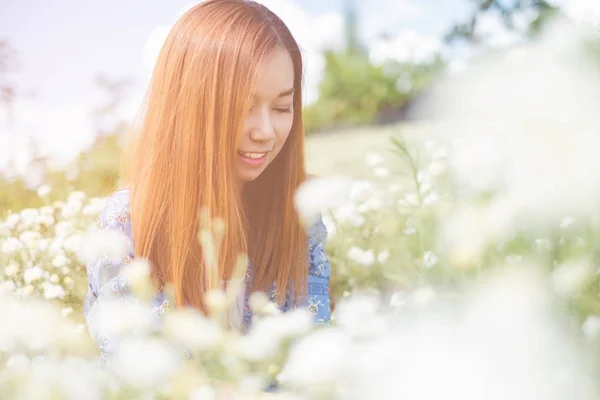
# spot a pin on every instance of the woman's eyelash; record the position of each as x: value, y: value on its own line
x: 283, y: 110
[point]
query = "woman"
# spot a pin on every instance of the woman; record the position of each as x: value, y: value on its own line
x: 222, y: 130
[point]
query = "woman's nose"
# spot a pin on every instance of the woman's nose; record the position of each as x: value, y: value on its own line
x: 262, y: 129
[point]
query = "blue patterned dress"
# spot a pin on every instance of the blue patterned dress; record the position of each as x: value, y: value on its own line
x: 105, y: 282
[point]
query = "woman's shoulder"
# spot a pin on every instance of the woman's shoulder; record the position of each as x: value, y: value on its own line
x: 116, y: 213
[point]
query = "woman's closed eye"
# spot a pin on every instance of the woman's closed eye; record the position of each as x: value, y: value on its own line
x: 283, y: 110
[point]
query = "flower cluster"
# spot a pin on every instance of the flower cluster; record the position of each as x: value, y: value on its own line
x: 40, y: 250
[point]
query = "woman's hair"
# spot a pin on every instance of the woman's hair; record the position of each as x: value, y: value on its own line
x: 182, y: 158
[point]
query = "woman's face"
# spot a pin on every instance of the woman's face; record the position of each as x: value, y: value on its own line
x: 270, y: 119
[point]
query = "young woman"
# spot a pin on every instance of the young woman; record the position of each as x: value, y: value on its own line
x: 222, y: 131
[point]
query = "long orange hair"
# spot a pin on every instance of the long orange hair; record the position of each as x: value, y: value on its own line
x: 182, y: 158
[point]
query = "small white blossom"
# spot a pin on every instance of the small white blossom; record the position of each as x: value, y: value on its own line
x: 11, y: 245
x: 11, y: 269
x: 383, y: 255
x: 193, y: 330
x: 566, y: 222
x: 204, y: 392
x: 373, y: 159
x: 65, y: 312
x: 59, y: 261
x: 317, y: 195
x: 29, y: 216
x: 7, y: 286
x: 29, y: 238
x: 267, y: 334
x: 381, y: 172
x: 45, y: 220
x: 63, y: 229
x: 591, y: 327
x: 570, y: 277
x: 364, y: 257
x: 43, y: 190
x: 145, y: 363
x: 18, y: 362
x: 32, y: 274
x: 73, y: 243
x: 12, y: 220
x: 52, y: 291
x: 317, y: 359
x: 99, y: 242
x: 429, y: 259
x: 47, y: 210
x: 26, y: 290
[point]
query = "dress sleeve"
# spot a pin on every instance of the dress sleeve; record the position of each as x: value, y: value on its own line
x: 318, y: 274
x: 106, y: 284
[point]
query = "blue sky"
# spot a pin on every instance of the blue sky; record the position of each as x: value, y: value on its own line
x: 62, y: 45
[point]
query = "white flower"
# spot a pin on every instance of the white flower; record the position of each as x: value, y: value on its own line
x: 46, y: 220
x: 195, y: 331
x: 12, y: 220
x: 73, y: 243
x: 59, y: 261
x: 54, y: 278
x: 267, y: 333
x: 7, y: 287
x: 43, y: 190
x: 591, y: 327
x: 43, y: 244
x: 507, y: 143
x: 204, y: 392
x: 423, y: 296
x: 11, y: 269
x: 330, y: 225
x: 381, y: 172
x: 11, y: 245
x: 436, y: 168
x: 137, y: 271
x: 317, y: 195
x: 317, y: 359
x: 355, y: 312
x: 584, y: 12
x: 56, y: 246
x: 52, y: 291
x: 100, y: 242
x: 32, y: 274
x: 566, y: 222
x: 429, y: 259
x: 117, y: 318
x: 146, y: 363
x: 409, y: 230
x: 412, y: 199
x: 63, y: 229
x: 76, y: 196
x: 78, y: 379
x: 373, y: 159
x: 373, y: 202
x: 29, y: 238
x: 26, y: 291
x: 364, y: 257
x: 65, y: 312
x: 47, y: 210
x: 383, y: 255
x: 18, y: 362
x: 29, y: 216
x: 568, y: 278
